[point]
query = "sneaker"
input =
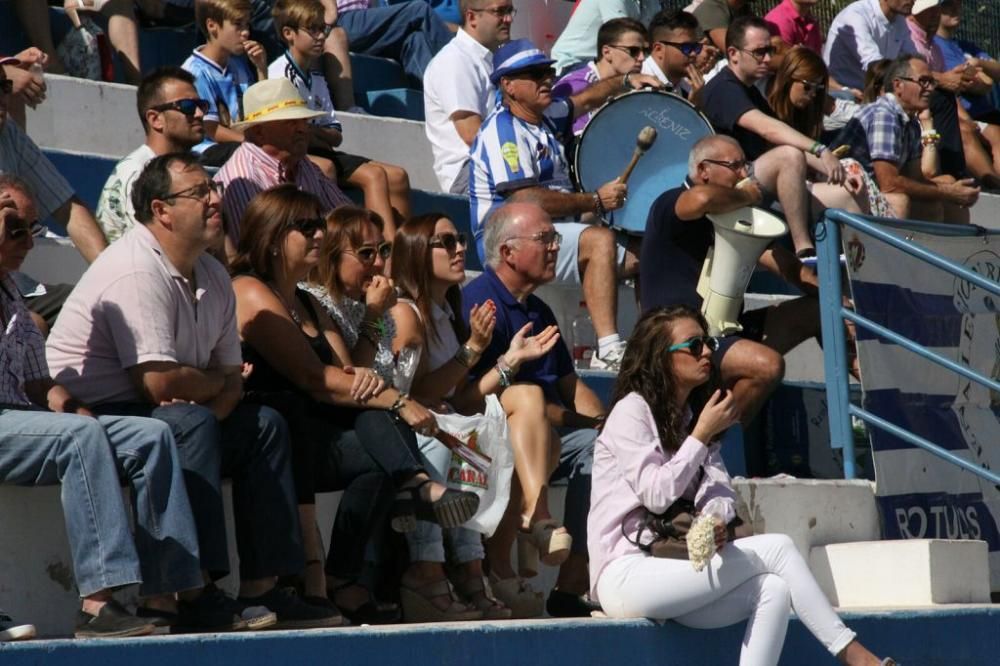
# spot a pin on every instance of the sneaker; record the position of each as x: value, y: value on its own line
x: 292, y: 612
x: 611, y: 361
x: 214, y: 611
x: 113, y: 621
x: 12, y: 631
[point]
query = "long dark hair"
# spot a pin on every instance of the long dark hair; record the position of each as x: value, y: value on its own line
x: 412, y: 271
x: 646, y: 370
x: 268, y: 218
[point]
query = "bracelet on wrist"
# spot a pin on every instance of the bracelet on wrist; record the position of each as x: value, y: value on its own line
x: 598, y: 205
x: 506, y: 375
x: 817, y: 148
x: 399, y: 403
x: 466, y: 356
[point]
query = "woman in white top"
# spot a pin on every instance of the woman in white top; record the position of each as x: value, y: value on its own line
x: 428, y: 267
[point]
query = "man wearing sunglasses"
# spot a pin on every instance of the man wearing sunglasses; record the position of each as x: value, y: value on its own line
x: 675, y: 50
x: 886, y: 138
x: 150, y: 330
x: 678, y: 236
x: 172, y: 116
x: 622, y: 47
x: 781, y: 156
x: 518, y: 156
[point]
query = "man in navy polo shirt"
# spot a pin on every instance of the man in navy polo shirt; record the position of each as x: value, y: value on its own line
x: 521, y: 245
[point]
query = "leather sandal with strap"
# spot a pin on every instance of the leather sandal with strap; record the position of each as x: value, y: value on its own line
x: 476, y: 591
x: 547, y: 541
x: 452, y: 509
x: 523, y: 601
x: 418, y: 605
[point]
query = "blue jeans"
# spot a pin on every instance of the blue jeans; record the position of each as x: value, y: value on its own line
x: 87, y: 455
x: 410, y: 33
x: 576, y: 459
x: 251, y: 447
x: 427, y: 541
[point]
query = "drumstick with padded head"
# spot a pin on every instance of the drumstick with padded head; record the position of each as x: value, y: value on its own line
x: 643, y: 142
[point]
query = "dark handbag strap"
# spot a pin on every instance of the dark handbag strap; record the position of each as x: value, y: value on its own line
x: 650, y: 521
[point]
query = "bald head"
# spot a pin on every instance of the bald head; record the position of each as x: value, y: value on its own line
x: 709, y: 148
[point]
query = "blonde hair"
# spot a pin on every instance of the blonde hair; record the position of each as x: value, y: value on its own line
x: 296, y: 14
x: 219, y: 11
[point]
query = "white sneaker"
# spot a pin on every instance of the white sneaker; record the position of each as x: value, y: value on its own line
x: 611, y: 361
x: 11, y: 631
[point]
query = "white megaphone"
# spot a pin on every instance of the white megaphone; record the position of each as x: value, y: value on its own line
x: 741, y: 236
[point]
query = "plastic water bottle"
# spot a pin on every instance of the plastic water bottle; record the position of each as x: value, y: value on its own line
x: 584, y: 338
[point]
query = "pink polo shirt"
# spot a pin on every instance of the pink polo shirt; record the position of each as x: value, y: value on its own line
x: 631, y: 470
x: 132, y: 306
x: 924, y: 43
x: 793, y: 28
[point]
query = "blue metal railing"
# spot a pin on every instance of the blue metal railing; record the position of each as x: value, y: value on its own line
x: 832, y: 313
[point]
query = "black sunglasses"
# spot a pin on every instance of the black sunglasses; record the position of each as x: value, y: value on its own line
x: 448, y: 241
x: 18, y: 228
x: 188, y: 106
x: 6, y: 87
x: 697, y: 344
x: 687, y: 48
x: 309, y: 226
x: 535, y: 73
x: 203, y: 191
x: 926, y: 82
x: 633, y: 51
x: 811, y: 86
x: 366, y: 253
x: 761, y: 53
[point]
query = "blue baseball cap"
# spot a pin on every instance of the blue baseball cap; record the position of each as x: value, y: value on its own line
x: 515, y: 56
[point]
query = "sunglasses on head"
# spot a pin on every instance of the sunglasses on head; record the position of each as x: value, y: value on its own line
x: 448, y: 241
x: 697, y: 344
x: 18, y: 228
x: 366, y: 254
x: 309, y: 226
x: 188, y: 106
x: 688, y: 49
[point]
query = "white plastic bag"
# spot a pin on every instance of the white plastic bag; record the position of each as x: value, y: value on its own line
x: 484, y: 433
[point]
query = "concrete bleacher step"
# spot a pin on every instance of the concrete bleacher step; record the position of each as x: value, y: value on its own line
x: 914, y: 572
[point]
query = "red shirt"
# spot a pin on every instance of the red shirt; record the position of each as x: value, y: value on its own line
x: 795, y: 29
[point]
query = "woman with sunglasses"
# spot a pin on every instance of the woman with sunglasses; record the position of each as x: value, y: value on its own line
x: 349, y: 431
x: 428, y: 265
x: 660, y: 445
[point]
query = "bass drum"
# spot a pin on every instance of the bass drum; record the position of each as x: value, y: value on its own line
x: 608, y: 141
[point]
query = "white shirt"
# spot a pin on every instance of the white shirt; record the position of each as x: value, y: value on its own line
x: 456, y: 79
x: 861, y: 35
x: 115, y: 212
x: 651, y: 68
x: 311, y: 86
x: 578, y: 42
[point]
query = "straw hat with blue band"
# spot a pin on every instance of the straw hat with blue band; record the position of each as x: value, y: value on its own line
x: 273, y: 99
x: 516, y: 56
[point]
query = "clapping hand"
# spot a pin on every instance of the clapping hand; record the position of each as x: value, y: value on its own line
x: 527, y: 348
x: 482, y: 320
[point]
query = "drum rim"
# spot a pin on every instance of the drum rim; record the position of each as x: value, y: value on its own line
x: 579, y: 141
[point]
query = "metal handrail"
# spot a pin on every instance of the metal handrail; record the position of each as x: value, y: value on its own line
x: 832, y: 314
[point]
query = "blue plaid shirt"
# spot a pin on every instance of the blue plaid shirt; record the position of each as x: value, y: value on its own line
x: 882, y: 131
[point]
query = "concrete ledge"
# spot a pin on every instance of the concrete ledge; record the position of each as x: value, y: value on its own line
x: 914, y: 572
x: 954, y: 636
x: 811, y: 512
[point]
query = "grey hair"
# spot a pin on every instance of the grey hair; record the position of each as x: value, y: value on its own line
x: 497, y: 232
x: 899, y: 68
x: 703, y: 148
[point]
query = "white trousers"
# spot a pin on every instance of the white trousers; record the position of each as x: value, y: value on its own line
x: 759, y: 578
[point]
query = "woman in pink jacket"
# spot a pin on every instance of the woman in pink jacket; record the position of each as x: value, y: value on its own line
x: 658, y: 446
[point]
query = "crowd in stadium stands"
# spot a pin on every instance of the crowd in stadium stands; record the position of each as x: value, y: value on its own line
x: 241, y: 316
